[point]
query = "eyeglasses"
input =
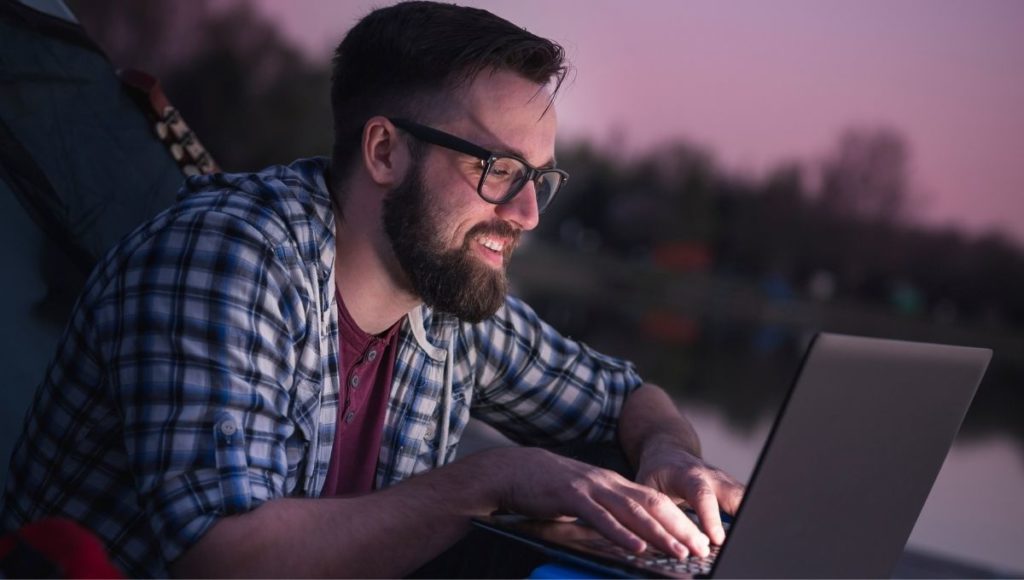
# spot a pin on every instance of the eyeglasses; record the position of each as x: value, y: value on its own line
x: 502, y: 176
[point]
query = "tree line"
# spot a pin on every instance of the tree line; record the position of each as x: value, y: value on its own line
x: 843, y: 227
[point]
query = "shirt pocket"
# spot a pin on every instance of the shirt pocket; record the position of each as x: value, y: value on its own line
x: 457, y: 419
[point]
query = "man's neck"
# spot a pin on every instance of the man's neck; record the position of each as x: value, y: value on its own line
x: 373, y: 297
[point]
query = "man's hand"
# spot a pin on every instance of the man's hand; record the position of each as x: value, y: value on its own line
x: 667, y: 467
x: 665, y: 449
x: 428, y: 513
x: 541, y: 484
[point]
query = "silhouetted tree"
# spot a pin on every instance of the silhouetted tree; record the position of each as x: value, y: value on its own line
x: 867, y: 176
x: 250, y: 96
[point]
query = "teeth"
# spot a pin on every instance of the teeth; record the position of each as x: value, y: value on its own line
x: 492, y: 244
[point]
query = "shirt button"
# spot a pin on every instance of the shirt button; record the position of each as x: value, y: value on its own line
x: 354, y: 381
x: 371, y: 355
x: 228, y: 428
x: 350, y: 416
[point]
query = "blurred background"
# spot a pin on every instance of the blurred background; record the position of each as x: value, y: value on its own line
x: 743, y: 175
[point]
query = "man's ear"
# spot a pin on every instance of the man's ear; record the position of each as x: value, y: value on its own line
x: 385, y: 154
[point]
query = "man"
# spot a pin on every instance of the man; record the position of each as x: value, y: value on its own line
x: 324, y: 331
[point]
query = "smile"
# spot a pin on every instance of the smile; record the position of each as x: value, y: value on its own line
x: 493, y: 244
x: 492, y: 249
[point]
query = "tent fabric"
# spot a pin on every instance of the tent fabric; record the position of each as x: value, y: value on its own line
x: 80, y: 167
x: 99, y: 169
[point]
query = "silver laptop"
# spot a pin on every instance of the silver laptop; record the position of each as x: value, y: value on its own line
x: 841, y: 480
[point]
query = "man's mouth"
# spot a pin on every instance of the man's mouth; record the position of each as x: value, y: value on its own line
x: 492, y: 243
x: 493, y: 249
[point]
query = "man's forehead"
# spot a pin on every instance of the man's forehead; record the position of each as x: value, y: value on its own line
x: 505, y: 89
x: 507, y: 113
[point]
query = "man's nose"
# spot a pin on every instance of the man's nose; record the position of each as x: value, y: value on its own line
x: 522, y: 209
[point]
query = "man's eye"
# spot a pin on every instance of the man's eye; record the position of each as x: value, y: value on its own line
x: 505, y: 169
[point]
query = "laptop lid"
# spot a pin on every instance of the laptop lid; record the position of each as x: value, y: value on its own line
x: 851, y: 458
x: 843, y: 475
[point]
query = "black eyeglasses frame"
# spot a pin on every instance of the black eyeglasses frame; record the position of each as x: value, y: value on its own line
x: 487, y: 159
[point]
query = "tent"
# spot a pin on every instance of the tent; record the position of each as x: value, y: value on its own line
x: 84, y: 158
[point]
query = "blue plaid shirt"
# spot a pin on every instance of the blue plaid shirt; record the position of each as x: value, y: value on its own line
x: 198, y: 376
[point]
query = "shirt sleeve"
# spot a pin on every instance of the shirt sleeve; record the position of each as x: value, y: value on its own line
x: 200, y: 330
x: 538, y: 387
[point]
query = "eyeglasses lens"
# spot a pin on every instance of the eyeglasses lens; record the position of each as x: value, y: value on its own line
x: 507, y: 176
x: 547, y: 186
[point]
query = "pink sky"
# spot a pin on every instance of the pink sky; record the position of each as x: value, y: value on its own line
x: 763, y: 82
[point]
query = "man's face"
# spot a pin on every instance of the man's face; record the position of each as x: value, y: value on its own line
x: 452, y: 245
x: 449, y: 279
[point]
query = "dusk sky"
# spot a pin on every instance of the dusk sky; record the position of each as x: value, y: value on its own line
x: 758, y: 83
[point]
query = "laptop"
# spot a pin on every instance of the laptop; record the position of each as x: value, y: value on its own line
x: 841, y: 480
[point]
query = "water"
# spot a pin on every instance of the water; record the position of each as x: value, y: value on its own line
x: 974, y: 512
x: 728, y: 348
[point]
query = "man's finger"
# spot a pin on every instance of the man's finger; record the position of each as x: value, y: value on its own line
x: 602, y: 521
x: 653, y: 517
x: 703, y: 500
x: 683, y: 528
x: 730, y: 496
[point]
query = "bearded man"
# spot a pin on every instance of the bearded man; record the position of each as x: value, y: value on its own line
x: 271, y: 377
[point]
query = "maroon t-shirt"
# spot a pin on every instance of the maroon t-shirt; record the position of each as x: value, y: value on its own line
x: 366, y: 367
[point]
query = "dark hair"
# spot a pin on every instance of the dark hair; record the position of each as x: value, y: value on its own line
x: 399, y: 60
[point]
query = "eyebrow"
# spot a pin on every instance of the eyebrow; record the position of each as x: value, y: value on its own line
x: 549, y: 164
x: 441, y: 137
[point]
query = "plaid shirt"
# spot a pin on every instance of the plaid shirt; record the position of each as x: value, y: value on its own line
x: 198, y: 376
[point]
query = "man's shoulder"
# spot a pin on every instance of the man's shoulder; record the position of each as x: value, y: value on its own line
x: 513, y: 311
x: 285, y: 210
x: 513, y: 318
x: 436, y: 322
x: 285, y: 203
x: 286, y: 207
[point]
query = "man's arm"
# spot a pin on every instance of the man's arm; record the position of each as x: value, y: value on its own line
x: 666, y: 451
x: 383, y: 534
x: 392, y: 532
x: 203, y: 308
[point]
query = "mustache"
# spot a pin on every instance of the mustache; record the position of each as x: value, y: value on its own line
x: 500, y: 229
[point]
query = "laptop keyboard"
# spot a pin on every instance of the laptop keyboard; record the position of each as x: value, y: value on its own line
x: 656, y: 560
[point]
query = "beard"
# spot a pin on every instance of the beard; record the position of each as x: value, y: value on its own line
x: 452, y: 281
